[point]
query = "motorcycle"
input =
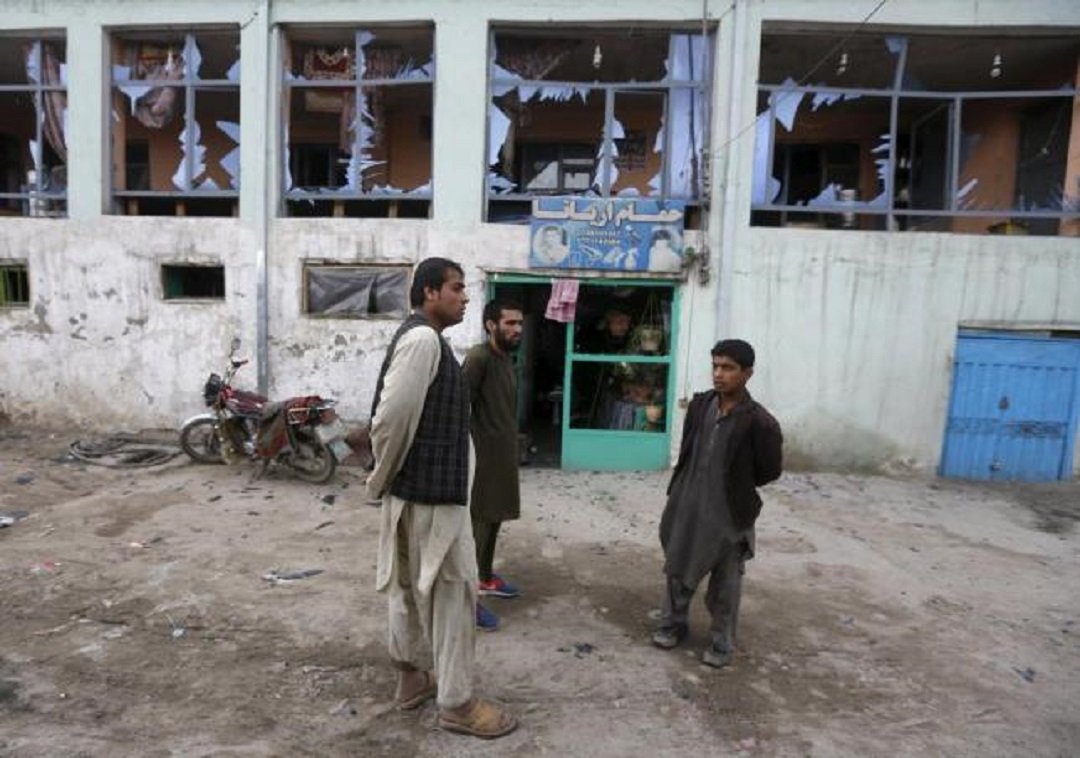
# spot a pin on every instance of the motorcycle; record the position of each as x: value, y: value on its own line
x: 302, y: 433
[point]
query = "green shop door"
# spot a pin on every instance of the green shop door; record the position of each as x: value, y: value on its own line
x: 596, y: 393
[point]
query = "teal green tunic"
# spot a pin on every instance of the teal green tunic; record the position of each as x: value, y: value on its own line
x: 493, y: 392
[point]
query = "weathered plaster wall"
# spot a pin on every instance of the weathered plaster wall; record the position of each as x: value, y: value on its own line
x: 341, y: 357
x: 856, y: 331
x: 98, y: 344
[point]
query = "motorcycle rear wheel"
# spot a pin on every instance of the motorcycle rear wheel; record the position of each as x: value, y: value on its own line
x: 311, y: 459
x: 199, y: 440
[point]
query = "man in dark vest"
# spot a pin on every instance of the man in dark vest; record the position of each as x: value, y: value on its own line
x: 730, y: 446
x: 423, y: 461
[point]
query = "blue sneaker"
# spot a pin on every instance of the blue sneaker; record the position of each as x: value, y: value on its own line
x: 498, y: 587
x: 486, y: 621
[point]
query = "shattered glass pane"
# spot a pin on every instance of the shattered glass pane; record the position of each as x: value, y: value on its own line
x: 28, y: 165
x: 626, y: 55
x: 404, y: 53
x: 1014, y: 155
x: 545, y: 140
x: 923, y: 155
x: 381, y: 144
x: 217, y: 165
x: 317, y: 54
x: 987, y: 64
x: 147, y: 128
x: 216, y: 55
x: 865, y: 61
x: 638, y: 119
x: 151, y: 55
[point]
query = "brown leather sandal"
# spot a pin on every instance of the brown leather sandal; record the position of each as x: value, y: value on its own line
x: 481, y: 718
x: 425, y: 693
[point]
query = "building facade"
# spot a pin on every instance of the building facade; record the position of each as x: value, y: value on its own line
x: 861, y: 195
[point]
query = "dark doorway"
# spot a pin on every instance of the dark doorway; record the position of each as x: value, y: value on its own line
x: 541, y: 364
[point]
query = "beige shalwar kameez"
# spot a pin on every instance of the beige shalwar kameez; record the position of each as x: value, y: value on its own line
x: 427, y: 558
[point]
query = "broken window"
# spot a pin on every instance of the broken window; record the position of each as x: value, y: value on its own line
x: 920, y: 133
x: 358, y: 120
x: 14, y: 284
x: 33, y: 127
x: 347, y: 291
x: 617, y: 113
x: 175, y: 123
x: 182, y: 281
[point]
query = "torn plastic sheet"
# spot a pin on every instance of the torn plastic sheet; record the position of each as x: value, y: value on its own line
x: 190, y: 144
x: 132, y: 91
x: 963, y: 201
x: 500, y: 185
x: 230, y: 162
x: 350, y: 291
x: 764, y: 188
x: 687, y: 110
x: 688, y: 58
x: 611, y: 150
x: 33, y: 63
x: 498, y: 129
x: 233, y: 74
x: 785, y: 104
x: 192, y: 58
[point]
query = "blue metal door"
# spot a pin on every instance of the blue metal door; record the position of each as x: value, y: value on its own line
x: 1013, y: 413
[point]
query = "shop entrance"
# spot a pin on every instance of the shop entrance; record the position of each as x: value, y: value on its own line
x: 595, y: 393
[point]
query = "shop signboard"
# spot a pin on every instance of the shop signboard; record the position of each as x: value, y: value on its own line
x: 616, y: 234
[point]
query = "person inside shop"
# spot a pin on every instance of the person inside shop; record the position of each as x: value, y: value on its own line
x: 611, y: 334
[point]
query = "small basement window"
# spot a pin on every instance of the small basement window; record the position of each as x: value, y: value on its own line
x: 14, y: 285
x: 343, y: 291
x: 193, y: 282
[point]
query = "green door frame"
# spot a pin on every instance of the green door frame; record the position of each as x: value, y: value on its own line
x: 603, y: 449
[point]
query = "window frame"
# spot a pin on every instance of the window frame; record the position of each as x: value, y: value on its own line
x: 163, y: 268
x: 897, y: 92
x: 375, y: 268
x: 604, y: 158
x: 7, y: 266
x: 189, y: 86
x: 288, y: 83
x: 38, y: 90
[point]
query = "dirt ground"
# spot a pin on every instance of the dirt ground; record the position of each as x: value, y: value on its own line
x: 881, y: 616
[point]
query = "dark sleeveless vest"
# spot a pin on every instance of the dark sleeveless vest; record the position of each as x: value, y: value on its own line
x: 436, y: 468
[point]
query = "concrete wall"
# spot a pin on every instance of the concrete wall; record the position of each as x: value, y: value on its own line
x: 99, y: 345
x: 857, y: 330
x: 854, y: 329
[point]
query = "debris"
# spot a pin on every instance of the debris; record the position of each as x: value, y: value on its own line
x: 213, y: 499
x: 582, y: 649
x: 253, y: 513
x: 178, y: 632
x: 124, y: 451
x: 1028, y: 674
x: 329, y: 499
x: 45, y: 567
x: 24, y: 478
x: 323, y: 525
x: 8, y: 518
x: 280, y: 577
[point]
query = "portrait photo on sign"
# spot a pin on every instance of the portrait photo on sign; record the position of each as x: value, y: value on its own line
x: 665, y: 250
x: 549, y: 246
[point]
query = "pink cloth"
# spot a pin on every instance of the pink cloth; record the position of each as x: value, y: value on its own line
x: 562, y: 305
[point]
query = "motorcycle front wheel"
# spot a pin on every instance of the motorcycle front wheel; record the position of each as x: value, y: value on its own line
x: 199, y: 440
x: 311, y: 459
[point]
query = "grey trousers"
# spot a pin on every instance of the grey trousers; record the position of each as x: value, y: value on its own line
x: 721, y: 599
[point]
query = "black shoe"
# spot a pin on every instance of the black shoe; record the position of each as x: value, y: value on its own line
x: 718, y: 659
x: 669, y: 637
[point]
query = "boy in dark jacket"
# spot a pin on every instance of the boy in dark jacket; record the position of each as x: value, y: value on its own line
x: 730, y: 446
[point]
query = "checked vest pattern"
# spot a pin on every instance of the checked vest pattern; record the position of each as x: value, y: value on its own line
x: 436, y: 468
